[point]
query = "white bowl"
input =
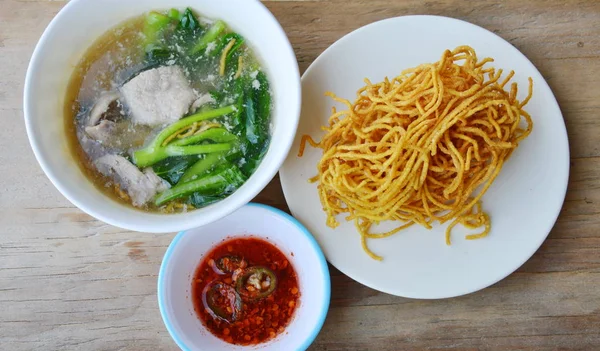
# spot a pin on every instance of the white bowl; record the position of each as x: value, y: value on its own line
x: 186, y: 252
x: 62, y: 45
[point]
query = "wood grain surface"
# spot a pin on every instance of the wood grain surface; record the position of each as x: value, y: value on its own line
x: 70, y: 282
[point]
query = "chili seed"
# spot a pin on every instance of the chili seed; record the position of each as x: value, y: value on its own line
x: 226, y: 331
x: 291, y: 303
x: 247, y: 337
x: 229, y: 248
x: 294, y: 290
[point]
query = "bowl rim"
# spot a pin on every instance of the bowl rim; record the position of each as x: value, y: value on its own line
x: 324, y: 308
x: 258, y: 181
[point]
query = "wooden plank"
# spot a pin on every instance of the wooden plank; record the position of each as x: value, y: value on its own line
x: 68, y: 281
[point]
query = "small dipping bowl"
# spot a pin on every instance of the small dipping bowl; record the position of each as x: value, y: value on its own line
x: 188, y: 249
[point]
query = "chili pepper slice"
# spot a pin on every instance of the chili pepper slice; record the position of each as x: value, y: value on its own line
x: 222, y: 301
x: 256, y: 283
x: 228, y: 264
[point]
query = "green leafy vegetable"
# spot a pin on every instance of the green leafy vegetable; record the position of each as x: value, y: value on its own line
x: 144, y: 159
x: 174, y: 14
x: 155, y: 151
x: 189, y: 21
x: 263, y: 98
x: 173, y: 168
x: 251, y: 121
x: 224, y: 180
x: 198, y: 200
x: 211, y: 35
x: 154, y: 24
x: 158, y: 56
x: 222, y: 42
x: 208, y: 166
x: 231, y: 60
x: 217, y: 96
x: 201, y: 167
x: 239, y: 41
x: 237, y: 92
x: 217, y: 135
x: 257, y: 115
x: 252, y: 159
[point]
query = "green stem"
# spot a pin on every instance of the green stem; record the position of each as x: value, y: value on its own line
x: 201, y: 166
x: 154, y: 24
x: 174, y: 14
x: 147, y: 157
x: 228, y: 177
x: 187, y: 121
x: 141, y: 157
x: 218, y: 135
x: 212, y: 34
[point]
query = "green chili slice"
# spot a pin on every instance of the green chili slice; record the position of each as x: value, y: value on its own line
x: 222, y: 301
x: 256, y: 283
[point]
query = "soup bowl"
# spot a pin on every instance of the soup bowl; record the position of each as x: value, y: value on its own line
x: 188, y: 249
x: 63, y: 44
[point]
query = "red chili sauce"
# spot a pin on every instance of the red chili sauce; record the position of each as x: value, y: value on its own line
x: 245, y: 291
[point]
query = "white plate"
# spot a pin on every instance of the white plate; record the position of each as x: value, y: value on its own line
x: 523, y: 202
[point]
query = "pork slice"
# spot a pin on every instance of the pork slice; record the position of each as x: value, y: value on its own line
x: 102, y: 131
x: 202, y: 100
x: 158, y: 96
x: 101, y: 107
x: 140, y: 186
x: 162, y: 184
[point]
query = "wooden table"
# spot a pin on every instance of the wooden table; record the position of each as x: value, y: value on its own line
x: 68, y: 281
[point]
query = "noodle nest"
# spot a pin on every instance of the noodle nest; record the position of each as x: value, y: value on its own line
x: 422, y: 147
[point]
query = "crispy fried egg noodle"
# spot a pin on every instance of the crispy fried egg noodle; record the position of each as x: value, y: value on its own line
x: 422, y: 147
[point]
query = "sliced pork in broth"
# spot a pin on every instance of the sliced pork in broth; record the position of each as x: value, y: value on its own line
x: 169, y: 111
